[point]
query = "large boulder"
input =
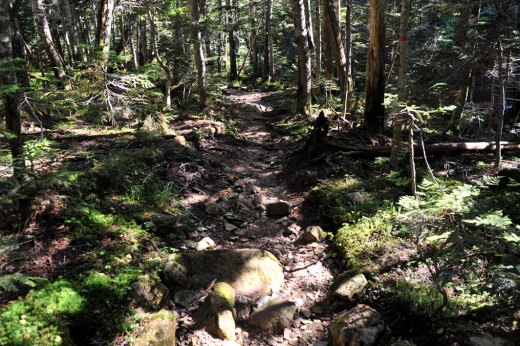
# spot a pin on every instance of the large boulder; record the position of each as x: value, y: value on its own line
x: 348, y: 286
x: 359, y: 326
x: 157, y: 329
x: 249, y: 271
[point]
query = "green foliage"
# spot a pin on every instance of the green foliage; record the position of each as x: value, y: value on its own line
x: 40, y: 317
x: 366, y: 240
x: 10, y: 282
x: 296, y: 129
x: 396, y: 179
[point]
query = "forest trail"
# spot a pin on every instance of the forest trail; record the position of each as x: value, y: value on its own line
x: 256, y: 158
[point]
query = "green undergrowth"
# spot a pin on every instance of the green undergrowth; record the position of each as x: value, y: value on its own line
x: 453, y: 250
x: 295, y: 129
x: 93, y: 203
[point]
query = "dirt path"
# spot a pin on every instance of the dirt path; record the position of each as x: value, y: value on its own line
x: 257, y: 159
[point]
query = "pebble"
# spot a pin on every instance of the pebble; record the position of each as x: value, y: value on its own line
x: 230, y: 227
x: 306, y: 312
x: 287, y: 334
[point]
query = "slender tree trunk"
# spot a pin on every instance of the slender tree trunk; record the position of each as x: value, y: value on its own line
x: 143, y: 42
x: 10, y: 99
x: 304, y: 57
x: 20, y: 48
x: 502, y: 103
x: 317, y: 39
x: 44, y: 32
x: 155, y: 37
x: 133, y: 50
x: 375, y: 84
x: 348, y: 45
x: 401, y: 83
x: 233, y: 73
x: 198, y: 52
x: 334, y: 35
x: 268, y: 46
x: 308, y: 22
x: 253, y: 40
x: 104, y: 27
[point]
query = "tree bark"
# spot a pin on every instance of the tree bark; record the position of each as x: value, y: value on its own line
x: 44, y: 32
x: 268, y: 46
x: 233, y: 73
x: 375, y: 83
x: 304, y: 57
x: 142, y: 42
x: 198, y: 52
x: 334, y: 34
x: 317, y: 39
x: 10, y: 98
x: 402, y: 82
x: 308, y: 22
x: 104, y: 27
x: 155, y: 36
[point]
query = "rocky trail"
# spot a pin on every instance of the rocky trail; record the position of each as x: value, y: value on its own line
x: 257, y: 212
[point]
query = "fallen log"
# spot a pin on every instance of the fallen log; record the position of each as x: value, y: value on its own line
x: 431, y: 149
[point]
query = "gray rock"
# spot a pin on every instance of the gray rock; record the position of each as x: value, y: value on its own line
x: 180, y: 140
x: 275, y: 315
x: 157, y: 329
x: 357, y: 197
x: 229, y: 227
x: 259, y: 200
x: 185, y: 298
x: 348, y: 286
x: 205, y: 243
x: 147, y: 294
x: 488, y: 340
x: 277, y: 209
x: 215, y: 209
x: 175, y: 272
x: 359, y: 326
x: 314, y: 234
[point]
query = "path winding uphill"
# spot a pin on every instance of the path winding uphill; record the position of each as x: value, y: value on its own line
x: 253, y: 210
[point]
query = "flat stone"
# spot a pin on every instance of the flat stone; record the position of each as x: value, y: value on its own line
x: 230, y: 227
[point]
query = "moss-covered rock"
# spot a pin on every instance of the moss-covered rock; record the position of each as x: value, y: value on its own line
x: 157, y: 329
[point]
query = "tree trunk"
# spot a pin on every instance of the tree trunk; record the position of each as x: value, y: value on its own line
x: 104, y: 27
x: 334, y: 34
x: 348, y: 45
x: 198, y: 52
x: 268, y: 46
x: 155, y: 36
x: 253, y: 40
x: 10, y: 98
x: 308, y: 22
x: 142, y: 42
x: 375, y: 81
x: 402, y: 81
x: 317, y: 39
x: 233, y: 73
x: 44, y: 32
x: 304, y: 57
x: 502, y: 102
x: 328, y: 59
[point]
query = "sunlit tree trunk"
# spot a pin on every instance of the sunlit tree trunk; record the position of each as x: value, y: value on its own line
x: 104, y: 27
x: 308, y: 22
x: 375, y: 82
x: 501, y: 103
x: 44, y: 32
x: 253, y: 39
x: 10, y: 98
x: 348, y: 45
x: 71, y: 35
x: 198, y: 52
x: 304, y: 57
x: 401, y: 83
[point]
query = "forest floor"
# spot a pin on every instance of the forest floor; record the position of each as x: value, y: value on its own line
x: 96, y: 200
